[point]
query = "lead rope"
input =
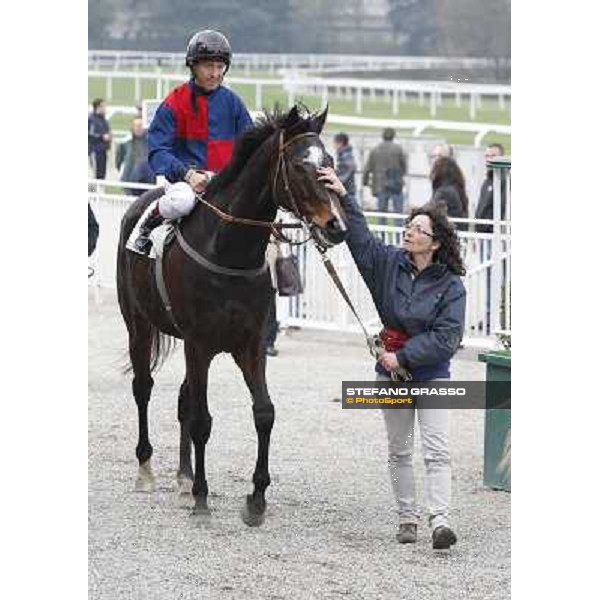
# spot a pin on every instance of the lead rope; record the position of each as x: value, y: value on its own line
x: 374, y: 342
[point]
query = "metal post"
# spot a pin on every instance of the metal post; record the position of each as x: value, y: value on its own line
x: 507, y: 311
x: 501, y: 104
x: 324, y: 97
x: 395, y: 102
x: 496, y: 283
x: 432, y: 104
x: 138, y: 93
x: 109, y: 88
x: 359, y: 100
x: 457, y: 99
x: 258, y: 97
x: 472, y: 108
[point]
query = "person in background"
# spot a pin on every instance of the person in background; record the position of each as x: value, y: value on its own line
x: 421, y: 301
x: 99, y: 138
x: 485, y: 206
x: 384, y: 173
x: 448, y: 187
x: 93, y: 231
x: 485, y: 210
x: 271, y: 325
x: 131, y: 153
x: 439, y: 150
x: 345, y: 163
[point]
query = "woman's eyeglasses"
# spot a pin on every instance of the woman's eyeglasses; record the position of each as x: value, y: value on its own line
x: 416, y: 227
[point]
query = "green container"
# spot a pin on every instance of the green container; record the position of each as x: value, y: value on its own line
x: 496, y: 467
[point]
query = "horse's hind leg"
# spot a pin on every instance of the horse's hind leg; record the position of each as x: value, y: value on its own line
x: 140, y: 346
x: 252, y: 364
x: 185, y: 473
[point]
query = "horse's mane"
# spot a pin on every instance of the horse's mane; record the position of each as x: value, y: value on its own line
x: 249, y: 142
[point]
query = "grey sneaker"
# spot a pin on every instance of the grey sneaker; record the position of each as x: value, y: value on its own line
x: 407, y: 533
x: 443, y: 537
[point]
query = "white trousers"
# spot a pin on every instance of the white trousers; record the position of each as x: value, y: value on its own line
x: 178, y: 201
x: 434, y: 429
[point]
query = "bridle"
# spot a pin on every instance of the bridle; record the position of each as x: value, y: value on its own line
x: 276, y: 227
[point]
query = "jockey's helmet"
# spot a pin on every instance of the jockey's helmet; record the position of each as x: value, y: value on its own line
x: 208, y: 44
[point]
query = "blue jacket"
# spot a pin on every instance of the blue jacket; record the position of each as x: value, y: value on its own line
x: 97, y: 127
x: 346, y: 168
x: 429, y: 307
x: 179, y: 138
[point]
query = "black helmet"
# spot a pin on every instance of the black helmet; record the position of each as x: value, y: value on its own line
x: 208, y: 44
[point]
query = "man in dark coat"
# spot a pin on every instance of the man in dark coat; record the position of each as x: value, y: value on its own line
x: 384, y: 173
x: 485, y: 206
x: 93, y: 231
x: 345, y: 163
x: 98, y: 137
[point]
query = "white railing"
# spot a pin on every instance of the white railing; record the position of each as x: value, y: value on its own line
x: 395, y: 92
x: 314, y: 62
x: 486, y: 257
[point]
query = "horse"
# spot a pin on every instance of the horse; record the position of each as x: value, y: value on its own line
x: 219, y: 287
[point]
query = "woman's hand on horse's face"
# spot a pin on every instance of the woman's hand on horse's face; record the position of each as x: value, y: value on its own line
x: 331, y: 181
x: 389, y: 361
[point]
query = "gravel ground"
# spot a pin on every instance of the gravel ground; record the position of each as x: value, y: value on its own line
x: 330, y: 526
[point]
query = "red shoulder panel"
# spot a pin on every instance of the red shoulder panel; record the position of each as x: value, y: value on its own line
x: 190, y: 125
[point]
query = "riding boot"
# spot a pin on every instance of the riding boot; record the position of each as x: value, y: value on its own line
x: 143, y: 242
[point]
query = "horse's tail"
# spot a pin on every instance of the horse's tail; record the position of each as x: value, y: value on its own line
x: 163, y: 345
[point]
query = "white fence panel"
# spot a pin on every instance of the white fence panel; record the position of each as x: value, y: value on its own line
x: 321, y: 306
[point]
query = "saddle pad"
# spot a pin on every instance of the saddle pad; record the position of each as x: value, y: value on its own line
x: 158, y: 235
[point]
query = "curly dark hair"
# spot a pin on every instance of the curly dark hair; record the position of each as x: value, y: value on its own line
x: 446, y: 172
x: 444, y: 232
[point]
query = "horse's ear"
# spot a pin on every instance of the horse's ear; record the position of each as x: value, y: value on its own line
x: 319, y: 121
x: 292, y: 117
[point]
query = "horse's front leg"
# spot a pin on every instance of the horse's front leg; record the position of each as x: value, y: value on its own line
x: 252, y: 363
x: 200, y: 420
x: 185, y: 473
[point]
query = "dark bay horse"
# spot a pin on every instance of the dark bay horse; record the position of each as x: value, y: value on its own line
x: 220, y: 304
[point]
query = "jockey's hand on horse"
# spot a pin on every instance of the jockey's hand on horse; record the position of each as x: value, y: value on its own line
x: 331, y: 181
x: 197, y: 180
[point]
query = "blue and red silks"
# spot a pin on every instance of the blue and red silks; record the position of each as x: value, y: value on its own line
x: 179, y: 139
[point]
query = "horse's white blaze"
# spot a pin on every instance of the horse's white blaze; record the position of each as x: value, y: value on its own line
x: 315, y: 156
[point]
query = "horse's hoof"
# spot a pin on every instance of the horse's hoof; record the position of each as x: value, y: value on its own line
x: 201, y: 511
x: 145, y: 480
x: 201, y: 508
x: 253, y: 515
x: 184, y: 486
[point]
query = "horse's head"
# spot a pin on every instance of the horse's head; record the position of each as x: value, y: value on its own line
x: 295, y: 182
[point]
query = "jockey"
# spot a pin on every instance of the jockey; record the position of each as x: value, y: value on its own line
x: 191, y: 135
